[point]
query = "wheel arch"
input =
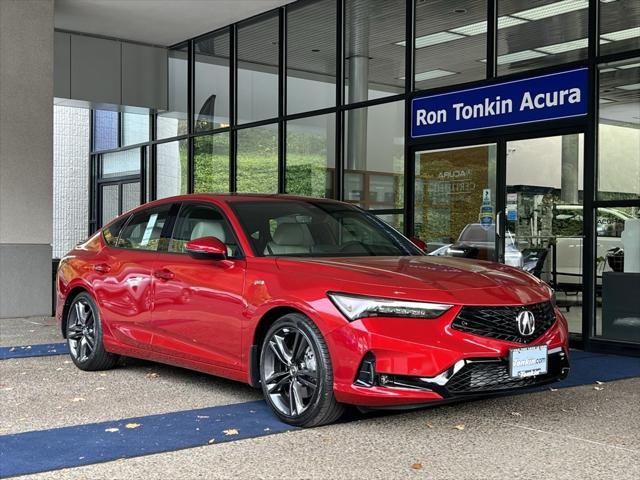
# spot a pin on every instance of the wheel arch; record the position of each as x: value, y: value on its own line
x: 260, y: 332
x: 73, y: 293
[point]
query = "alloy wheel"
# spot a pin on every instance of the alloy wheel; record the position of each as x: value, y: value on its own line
x: 290, y: 372
x: 81, y: 332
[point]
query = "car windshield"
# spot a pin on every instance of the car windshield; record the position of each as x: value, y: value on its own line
x: 317, y: 228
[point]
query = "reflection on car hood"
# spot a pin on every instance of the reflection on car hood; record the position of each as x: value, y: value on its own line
x: 428, y: 272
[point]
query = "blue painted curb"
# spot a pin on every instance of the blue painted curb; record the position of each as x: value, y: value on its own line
x: 40, y: 350
x: 67, y: 447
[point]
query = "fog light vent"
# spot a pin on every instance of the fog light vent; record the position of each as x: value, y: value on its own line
x: 367, y: 371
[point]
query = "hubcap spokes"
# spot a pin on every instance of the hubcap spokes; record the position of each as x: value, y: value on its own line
x: 81, y: 331
x: 290, y: 371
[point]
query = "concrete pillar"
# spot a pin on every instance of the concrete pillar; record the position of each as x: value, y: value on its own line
x: 358, y: 59
x: 26, y: 156
x: 569, y: 175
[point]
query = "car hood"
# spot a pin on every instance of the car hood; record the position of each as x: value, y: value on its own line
x: 456, y: 280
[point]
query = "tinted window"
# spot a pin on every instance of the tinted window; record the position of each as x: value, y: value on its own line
x: 300, y: 228
x: 567, y: 223
x: 196, y: 221
x: 144, y: 230
x: 112, y: 231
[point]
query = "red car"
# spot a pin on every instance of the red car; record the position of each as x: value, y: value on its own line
x: 317, y: 302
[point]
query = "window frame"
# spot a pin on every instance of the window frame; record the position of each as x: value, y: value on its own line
x: 225, y: 218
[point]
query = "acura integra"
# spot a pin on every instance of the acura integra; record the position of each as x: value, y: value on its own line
x: 317, y: 302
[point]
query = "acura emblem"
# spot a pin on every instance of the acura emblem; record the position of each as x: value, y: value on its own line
x: 526, y: 323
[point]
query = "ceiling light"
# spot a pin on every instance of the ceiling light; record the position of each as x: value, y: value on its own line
x: 433, y: 39
x: 631, y: 65
x: 632, y: 86
x: 607, y: 70
x: 565, y: 46
x: 519, y: 56
x: 622, y: 34
x: 553, y: 9
x: 431, y: 74
x: 481, y: 27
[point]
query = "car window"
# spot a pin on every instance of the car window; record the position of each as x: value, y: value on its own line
x: 111, y: 232
x: 608, y: 224
x: 143, y: 232
x: 310, y: 228
x: 196, y: 221
x: 567, y: 222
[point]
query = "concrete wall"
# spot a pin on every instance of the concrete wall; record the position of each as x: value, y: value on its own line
x: 26, y: 139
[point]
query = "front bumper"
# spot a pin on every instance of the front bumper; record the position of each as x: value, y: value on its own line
x: 431, y: 362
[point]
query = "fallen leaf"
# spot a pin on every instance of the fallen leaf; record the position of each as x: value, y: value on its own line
x: 551, y: 389
x: 78, y: 399
x: 516, y: 414
x: 58, y: 369
x: 102, y: 374
x: 417, y: 466
x: 460, y: 426
x: 152, y: 375
x: 132, y: 425
x: 429, y: 425
x: 267, y: 429
x: 231, y: 431
x: 111, y: 430
x: 211, y: 440
x: 598, y: 382
x: 100, y: 388
x: 598, y: 388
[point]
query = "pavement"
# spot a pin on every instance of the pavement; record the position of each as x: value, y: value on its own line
x: 149, y: 421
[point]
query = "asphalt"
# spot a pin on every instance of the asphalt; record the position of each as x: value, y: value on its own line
x: 589, y: 431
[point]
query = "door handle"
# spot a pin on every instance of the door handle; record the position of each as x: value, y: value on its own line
x: 164, y: 274
x: 498, y: 223
x: 102, y: 268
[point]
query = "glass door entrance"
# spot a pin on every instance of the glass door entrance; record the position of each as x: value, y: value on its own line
x: 455, y: 206
x: 543, y: 214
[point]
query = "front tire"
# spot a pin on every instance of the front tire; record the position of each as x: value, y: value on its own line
x: 296, y: 373
x: 84, y: 336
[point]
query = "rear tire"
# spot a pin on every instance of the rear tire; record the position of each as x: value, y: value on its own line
x: 296, y: 373
x: 84, y: 335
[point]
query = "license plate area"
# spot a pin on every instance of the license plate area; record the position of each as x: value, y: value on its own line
x: 528, y: 361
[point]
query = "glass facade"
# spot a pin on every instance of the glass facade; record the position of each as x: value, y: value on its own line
x: 211, y: 82
x: 312, y: 98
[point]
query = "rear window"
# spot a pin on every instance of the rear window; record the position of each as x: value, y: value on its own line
x: 144, y: 230
x: 111, y: 232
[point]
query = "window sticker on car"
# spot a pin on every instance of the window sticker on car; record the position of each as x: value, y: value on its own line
x: 149, y: 230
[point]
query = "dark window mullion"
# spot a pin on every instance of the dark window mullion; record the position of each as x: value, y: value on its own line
x: 282, y: 99
x: 409, y: 166
x: 233, y: 107
x: 338, y: 181
x: 492, y: 38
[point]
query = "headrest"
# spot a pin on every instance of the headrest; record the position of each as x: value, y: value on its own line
x: 209, y: 228
x: 290, y: 234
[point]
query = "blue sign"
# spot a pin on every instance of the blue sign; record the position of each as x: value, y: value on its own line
x: 536, y: 99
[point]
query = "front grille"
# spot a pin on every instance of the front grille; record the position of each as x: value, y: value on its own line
x: 500, y: 322
x: 486, y: 376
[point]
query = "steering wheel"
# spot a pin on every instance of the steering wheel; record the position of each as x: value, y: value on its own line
x: 353, y: 246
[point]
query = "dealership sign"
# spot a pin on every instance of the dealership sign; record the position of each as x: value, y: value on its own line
x: 536, y: 99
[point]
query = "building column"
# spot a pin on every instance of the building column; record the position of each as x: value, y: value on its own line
x: 358, y: 61
x: 569, y: 175
x: 26, y: 156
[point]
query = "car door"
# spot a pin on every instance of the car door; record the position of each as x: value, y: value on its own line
x: 124, y: 269
x: 198, y: 304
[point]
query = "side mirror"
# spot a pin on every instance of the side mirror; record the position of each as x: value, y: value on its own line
x: 419, y: 243
x: 206, y: 248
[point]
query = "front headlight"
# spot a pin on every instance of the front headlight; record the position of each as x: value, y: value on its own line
x: 354, y: 307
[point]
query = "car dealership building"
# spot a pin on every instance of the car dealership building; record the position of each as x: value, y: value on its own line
x: 510, y: 131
